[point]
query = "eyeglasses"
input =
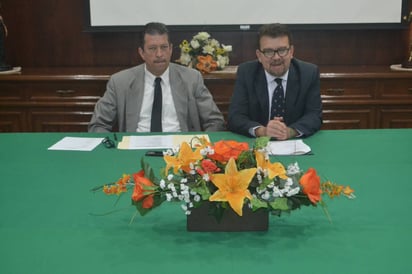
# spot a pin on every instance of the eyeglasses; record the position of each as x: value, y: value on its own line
x: 269, y: 53
x: 109, y: 143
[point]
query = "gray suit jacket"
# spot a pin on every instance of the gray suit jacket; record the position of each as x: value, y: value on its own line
x: 121, y: 104
x: 249, y: 106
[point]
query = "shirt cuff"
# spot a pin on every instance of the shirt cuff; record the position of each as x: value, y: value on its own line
x: 252, y: 131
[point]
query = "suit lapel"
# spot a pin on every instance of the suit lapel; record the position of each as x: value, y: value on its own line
x: 261, y: 88
x: 180, y: 97
x: 134, y: 99
x: 292, y: 88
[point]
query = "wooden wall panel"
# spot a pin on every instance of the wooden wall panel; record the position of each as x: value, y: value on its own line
x: 49, y: 33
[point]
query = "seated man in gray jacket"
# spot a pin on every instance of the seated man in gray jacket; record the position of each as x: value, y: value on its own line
x: 130, y: 104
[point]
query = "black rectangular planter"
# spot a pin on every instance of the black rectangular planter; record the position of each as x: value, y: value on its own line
x: 200, y: 220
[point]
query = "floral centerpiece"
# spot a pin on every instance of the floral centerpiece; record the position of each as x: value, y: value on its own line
x: 204, y: 53
x: 230, y: 176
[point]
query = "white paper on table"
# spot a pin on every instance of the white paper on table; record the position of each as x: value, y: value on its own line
x: 289, y: 147
x: 76, y: 143
x: 158, y: 141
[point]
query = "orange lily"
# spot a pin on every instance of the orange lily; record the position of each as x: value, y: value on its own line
x: 224, y: 150
x: 185, y: 157
x: 206, y: 64
x: 233, y: 186
x: 311, y: 185
x: 140, y: 192
x: 274, y: 169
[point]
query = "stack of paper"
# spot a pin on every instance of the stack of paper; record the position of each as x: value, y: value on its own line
x: 289, y: 147
x: 159, y: 141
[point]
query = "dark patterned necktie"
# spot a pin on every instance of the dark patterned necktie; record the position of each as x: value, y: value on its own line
x: 156, y: 122
x: 278, y: 101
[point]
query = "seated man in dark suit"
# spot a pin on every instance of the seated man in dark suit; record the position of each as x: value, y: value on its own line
x: 276, y: 95
x: 184, y: 104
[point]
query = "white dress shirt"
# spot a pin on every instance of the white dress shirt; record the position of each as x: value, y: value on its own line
x: 271, y: 83
x: 170, y: 123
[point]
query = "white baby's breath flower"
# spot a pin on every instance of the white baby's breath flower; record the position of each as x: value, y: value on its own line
x: 206, y: 177
x: 196, y: 198
x: 293, y: 191
x: 168, y: 152
x: 289, y: 182
x: 184, y: 207
x: 276, y: 192
x: 162, y: 184
x: 170, y: 177
x: 266, y: 195
x: 293, y: 169
x: 169, y: 197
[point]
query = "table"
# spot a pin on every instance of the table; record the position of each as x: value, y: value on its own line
x: 46, y: 225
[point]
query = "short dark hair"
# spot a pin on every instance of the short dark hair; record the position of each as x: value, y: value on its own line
x: 274, y: 30
x: 154, y: 28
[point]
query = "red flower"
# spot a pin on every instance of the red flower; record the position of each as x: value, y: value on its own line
x: 209, y: 166
x: 311, y: 185
x: 140, y: 192
x: 224, y: 150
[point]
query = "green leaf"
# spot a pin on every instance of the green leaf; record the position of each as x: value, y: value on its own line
x: 202, y: 190
x: 266, y: 181
x: 257, y: 203
x: 148, y: 172
x: 280, y: 203
x: 262, y: 142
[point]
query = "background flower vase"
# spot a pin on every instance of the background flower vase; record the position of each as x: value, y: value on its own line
x: 204, y: 53
x: 202, y: 220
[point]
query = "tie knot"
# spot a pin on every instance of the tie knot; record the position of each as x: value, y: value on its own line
x: 278, y: 81
x: 158, y: 80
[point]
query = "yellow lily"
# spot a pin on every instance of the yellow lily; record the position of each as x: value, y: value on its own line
x: 233, y: 186
x: 274, y: 169
x: 185, y: 157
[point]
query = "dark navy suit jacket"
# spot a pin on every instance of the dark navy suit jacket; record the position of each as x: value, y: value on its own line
x: 249, y: 106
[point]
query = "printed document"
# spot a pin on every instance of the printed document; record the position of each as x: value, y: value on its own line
x: 76, y: 143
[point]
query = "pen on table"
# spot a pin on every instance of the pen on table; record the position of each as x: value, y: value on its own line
x: 115, y: 136
x: 154, y: 153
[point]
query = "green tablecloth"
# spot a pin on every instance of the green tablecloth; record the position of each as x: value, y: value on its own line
x: 46, y: 225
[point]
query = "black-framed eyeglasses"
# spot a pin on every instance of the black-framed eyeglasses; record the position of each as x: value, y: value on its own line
x: 269, y: 53
x: 108, y: 143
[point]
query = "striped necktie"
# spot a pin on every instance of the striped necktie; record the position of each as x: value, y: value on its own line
x: 278, y: 100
